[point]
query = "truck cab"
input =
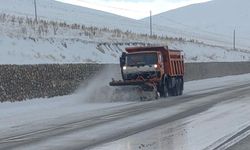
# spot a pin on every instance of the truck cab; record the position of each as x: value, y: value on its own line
x: 146, y: 65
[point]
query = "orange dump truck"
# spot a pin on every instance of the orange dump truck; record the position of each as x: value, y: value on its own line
x: 157, y: 69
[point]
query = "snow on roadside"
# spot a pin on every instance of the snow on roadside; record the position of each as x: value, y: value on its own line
x: 44, y: 51
x: 205, y: 53
x: 26, y: 112
x: 20, y: 113
x: 23, y: 41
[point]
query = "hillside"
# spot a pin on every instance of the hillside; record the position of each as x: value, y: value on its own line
x: 57, y: 11
x: 213, y: 21
x: 71, y: 34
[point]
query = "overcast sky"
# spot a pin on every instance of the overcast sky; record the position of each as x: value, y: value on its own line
x: 135, y: 9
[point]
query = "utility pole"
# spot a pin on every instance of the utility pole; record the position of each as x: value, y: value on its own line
x: 151, y: 27
x: 35, y: 11
x: 234, y: 47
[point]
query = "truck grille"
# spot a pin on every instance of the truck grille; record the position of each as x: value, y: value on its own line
x: 145, y: 75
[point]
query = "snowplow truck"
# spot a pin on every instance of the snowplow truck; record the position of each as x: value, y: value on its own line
x: 156, y: 69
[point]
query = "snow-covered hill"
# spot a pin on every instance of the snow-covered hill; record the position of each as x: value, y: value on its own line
x: 72, y: 34
x: 57, y: 11
x: 213, y: 21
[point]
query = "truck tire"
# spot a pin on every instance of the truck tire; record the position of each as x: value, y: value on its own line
x: 177, y: 87
x: 164, y: 88
x: 173, y: 91
x: 181, y: 86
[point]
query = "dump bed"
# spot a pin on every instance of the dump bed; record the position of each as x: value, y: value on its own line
x: 173, y: 60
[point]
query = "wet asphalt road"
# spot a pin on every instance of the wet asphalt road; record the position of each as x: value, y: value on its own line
x: 242, y: 145
x: 77, y: 134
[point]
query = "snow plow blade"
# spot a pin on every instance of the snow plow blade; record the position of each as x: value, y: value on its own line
x: 143, y: 85
x: 127, y: 83
x: 143, y: 89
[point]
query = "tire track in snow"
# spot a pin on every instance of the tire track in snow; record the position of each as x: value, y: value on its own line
x: 86, y: 124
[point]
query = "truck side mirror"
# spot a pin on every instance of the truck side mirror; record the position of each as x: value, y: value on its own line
x: 123, y: 59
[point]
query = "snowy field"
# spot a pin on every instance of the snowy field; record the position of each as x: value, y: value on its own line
x: 91, y: 38
x: 211, y: 21
x: 176, y: 23
x: 43, y: 51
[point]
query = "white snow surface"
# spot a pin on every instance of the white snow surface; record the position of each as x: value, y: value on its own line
x: 53, y: 10
x: 22, y: 42
x: 33, y: 114
x: 212, y: 21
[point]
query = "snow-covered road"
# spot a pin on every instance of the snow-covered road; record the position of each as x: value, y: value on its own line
x: 217, y: 128
x: 208, y: 114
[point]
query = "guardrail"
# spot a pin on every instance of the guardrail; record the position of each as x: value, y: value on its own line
x: 20, y: 82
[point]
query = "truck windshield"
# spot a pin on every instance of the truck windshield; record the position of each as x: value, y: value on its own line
x: 141, y: 59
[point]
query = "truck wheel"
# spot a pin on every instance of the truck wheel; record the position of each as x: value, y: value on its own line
x: 181, y: 86
x: 164, y: 90
x: 181, y: 92
x: 177, y: 88
x: 173, y: 91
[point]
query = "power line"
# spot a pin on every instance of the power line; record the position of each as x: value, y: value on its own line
x: 170, y: 20
x: 202, y: 30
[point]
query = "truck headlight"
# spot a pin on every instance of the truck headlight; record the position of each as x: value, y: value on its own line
x: 124, y: 67
x: 155, y: 66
